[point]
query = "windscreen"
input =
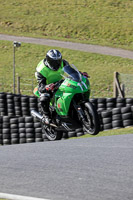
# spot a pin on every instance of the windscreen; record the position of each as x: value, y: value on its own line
x: 72, y: 73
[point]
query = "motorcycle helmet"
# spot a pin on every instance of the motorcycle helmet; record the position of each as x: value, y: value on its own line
x: 53, y: 59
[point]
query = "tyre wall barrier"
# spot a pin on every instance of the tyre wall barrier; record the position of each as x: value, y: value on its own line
x: 18, y: 126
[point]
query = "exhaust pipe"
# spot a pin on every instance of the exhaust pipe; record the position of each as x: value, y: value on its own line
x: 37, y: 115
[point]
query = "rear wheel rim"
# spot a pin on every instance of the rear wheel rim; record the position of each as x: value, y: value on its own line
x: 51, y: 133
x: 88, y: 123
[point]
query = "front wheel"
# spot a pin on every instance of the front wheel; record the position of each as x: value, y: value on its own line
x: 52, y: 134
x: 91, y: 123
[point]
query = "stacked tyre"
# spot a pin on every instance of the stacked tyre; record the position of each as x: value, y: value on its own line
x: 120, y: 102
x: 14, y: 130
x: 1, y: 138
x: 110, y: 103
x: 10, y: 105
x: 129, y: 102
x: 25, y: 105
x: 22, y: 132
x: 6, y: 134
x: 127, y: 116
x: 117, y: 118
x: 29, y: 129
x: 33, y: 103
x: 38, y: 131
x: 17, y: 105
x: 106, y: 120
x: 101, y: 104
x: 3, y: 104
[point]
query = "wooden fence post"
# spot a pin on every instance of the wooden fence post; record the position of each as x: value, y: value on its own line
x: 117, y: 88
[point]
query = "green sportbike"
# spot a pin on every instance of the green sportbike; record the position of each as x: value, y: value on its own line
x: 70, y: 107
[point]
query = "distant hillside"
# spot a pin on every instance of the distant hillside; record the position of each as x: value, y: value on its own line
x: 104, y: 22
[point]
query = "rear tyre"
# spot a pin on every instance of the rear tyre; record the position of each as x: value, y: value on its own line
x: 52, y: 134
x: 91, y: 123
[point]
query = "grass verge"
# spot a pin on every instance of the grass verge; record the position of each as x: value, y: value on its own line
x: 88, y: 21
x: 122, y: 131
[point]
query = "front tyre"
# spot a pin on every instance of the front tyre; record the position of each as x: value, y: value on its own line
x: 91, y: 123
x: 52, y: 134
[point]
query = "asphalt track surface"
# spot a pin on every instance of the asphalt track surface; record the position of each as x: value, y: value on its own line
x: 70, y: 45
x: 96, y: 168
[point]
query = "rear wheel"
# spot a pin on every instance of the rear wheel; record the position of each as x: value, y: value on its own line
x: 91, y: 123
x: 52, y: 134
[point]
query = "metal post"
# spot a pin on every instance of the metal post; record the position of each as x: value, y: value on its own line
x: 15, y: 44
x: 14, y: 69
x: 18, y: 85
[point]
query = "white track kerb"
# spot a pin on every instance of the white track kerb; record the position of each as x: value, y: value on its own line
x: 18, y: 197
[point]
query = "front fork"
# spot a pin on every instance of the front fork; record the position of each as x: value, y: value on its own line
x: 79, y: 111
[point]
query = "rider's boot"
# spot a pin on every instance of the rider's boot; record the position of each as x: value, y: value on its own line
x: 46, y: 119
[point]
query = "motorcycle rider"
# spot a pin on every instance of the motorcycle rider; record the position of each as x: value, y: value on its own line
x: 48, y: 71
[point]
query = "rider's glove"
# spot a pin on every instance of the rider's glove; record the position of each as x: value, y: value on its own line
x: 50, y: 87
x: 85, y: 74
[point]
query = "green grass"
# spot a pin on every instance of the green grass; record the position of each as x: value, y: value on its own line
x: 99, y: 67
x: 89, y: 21
x: 122, y: 131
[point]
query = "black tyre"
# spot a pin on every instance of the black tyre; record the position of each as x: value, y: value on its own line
x: 38, y: 135
x: 6, y: 119
x: 22, y: 140
x: 13, y: 126
x: 107, y: 120
x: 14, y: 131
x: 38, y: 130
x: 37, y: 125
x: 33, y: 99
x: 38, y: 140
x: 106, y: 114
x: 30, y: 140
x: 65, y: 135
x: 6, y: 141
x: 116, y: 117
x: 29, y: 125
x: 91, y: 123
x: 129, y: 101
x: 101, y: 100
x: 120, y: 100
x: 111, y: 100
x: 14, y: 135
x: 116, y: 111
x: 13, y: 120
x: 107, y: 126
x: 126, y: 116
x: 21, y: 120
x: 72, y: 134
x: 126, y: 109
x: 111, y: 105
x: 51, y: 134
x: 21, y: 125
x: 22, y: 135
x: 120, y: 105
x: 14, y: 141
x: 79, y: 134
x: 30, y: 135
x: 6, y: 125
x: 128, y: 122
x: 117, y: 124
